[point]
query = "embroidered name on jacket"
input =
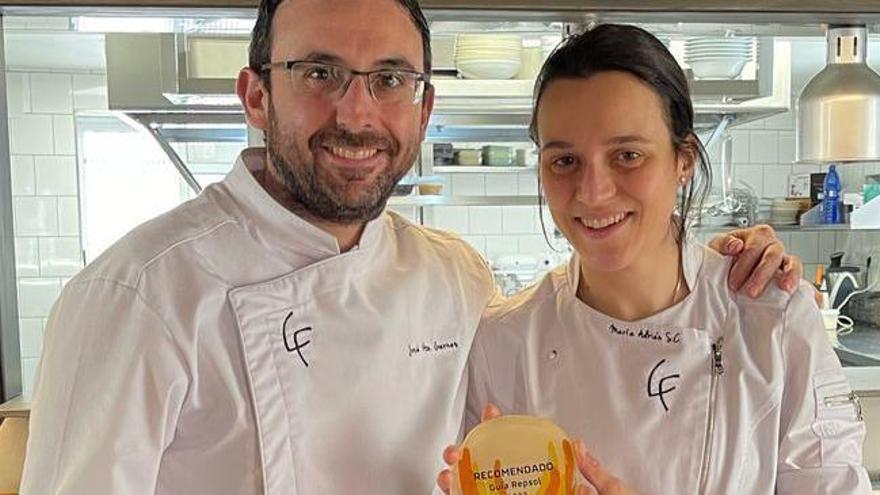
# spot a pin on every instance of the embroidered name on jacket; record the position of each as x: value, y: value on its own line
x: 666, y: 337
x: 424, y: 348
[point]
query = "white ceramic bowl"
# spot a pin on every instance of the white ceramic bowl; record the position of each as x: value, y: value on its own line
x: 703, y: 46
x: 488, y: 38
x: 476, y: 48
x: 488, y: 69
x: 717, y: 68
x: 463, y: 45
x: 704, y: 55
x: 488, y: 56
x: 510, y: 52
x: 489, y: 46
x: 704, y: 49
x: 717, y: 44
x: 719, y: 56
x: 718, y: 41
x: 734, y: 51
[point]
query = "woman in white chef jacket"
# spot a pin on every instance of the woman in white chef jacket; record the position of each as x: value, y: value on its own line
x: 637, y: 346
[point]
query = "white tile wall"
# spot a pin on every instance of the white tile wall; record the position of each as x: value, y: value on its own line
x: 30, y: 134
x: 89, y: 92
x: 63, y: 137
x: 468, y: 185
x: 485, y: 220
x: 752, y: 175
x: 533, y: 244
x: 786, y: 149
x: 36, y: 296
x: 27, y: 256
x: 477, y: 241
x: 35, y: 215
x: 51, y: 93
x: 741, y: 145
x: 780, y: 122
x: 452, y: 218
x: 763, y: 147
x: 518, y: 219
x: 42, y: 139
x: 30, y: 337
x: 501, y: 245
x: 18, y: 93
x: 28, y: 372
x: 23, y: 182
x: 60, y: 256
x: 68, y: 216
x: 55, y: 175
x: 502, y: 185
x: 775, y: 178
x: 528, y: 184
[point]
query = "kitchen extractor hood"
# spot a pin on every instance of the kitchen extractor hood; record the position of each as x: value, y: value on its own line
x: 174, y: 72
x: 838, y: 113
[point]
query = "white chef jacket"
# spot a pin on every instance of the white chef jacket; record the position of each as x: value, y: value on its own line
x: 719, y: 394
x: 228, y: 347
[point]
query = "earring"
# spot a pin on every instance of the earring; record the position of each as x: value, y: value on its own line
x: 682, y: 180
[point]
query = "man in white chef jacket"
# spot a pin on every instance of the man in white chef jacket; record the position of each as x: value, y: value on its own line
x: 254, y: 339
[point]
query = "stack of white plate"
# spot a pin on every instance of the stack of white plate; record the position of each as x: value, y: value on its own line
x: 488, y: 56
x: 718, y: 58
x: 784, y: 212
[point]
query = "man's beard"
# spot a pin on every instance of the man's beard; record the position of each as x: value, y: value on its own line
x: 317, y: 192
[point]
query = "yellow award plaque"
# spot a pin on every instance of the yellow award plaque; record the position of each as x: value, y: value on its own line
x: 516, y: 455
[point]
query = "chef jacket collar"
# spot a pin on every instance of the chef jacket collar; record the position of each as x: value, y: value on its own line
x: 693, y: 256
x: 278, y: 227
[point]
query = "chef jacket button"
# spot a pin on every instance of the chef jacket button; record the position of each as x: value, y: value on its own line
x: 553, y: 354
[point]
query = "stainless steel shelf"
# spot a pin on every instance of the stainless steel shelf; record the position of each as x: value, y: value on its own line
x: 439, y: 200
x: 484, y: 169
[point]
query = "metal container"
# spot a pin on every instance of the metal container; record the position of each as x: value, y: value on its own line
x: 839, y: 109
x: 865, y: 308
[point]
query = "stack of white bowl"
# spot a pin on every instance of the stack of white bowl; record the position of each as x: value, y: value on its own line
x: 718, y: 58
x: 488, y: 56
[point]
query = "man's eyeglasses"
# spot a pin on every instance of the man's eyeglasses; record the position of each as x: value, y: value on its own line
x: 331, y: 81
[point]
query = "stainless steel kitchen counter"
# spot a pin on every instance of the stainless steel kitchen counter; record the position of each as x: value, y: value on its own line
x: 861, y: 347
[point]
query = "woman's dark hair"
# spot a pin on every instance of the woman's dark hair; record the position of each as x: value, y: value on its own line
x: 614, y: 47
x: 260, y: 49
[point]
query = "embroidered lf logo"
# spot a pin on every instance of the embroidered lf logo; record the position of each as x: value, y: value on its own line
x: 297, y: 345
x: 660, y: 390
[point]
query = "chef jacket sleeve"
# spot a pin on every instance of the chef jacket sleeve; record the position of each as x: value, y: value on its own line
x: 479, y: 386
x: 821, y: 432
x: 110, y: 386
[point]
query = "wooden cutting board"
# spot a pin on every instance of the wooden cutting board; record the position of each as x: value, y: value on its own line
x: 13, y: 439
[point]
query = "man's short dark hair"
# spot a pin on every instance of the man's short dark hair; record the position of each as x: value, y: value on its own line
x: 261, y: 40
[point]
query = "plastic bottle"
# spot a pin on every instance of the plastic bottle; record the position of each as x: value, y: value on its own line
x: 831, y: 208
